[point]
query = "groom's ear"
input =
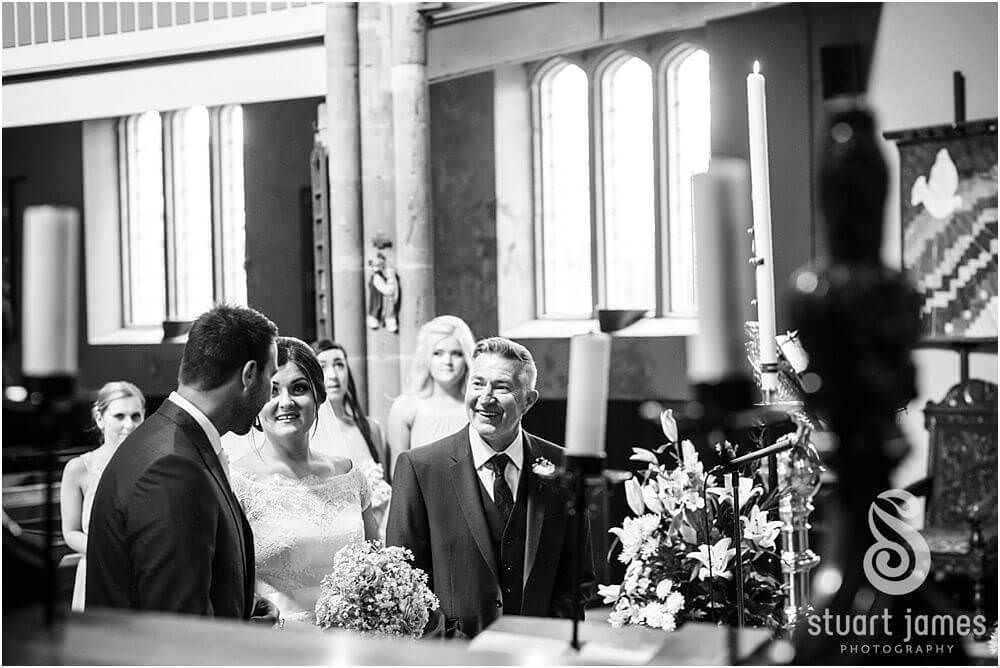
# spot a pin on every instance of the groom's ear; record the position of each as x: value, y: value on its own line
x: 248, y: 375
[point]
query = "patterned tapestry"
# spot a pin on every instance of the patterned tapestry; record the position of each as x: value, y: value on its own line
x: 949, y: 218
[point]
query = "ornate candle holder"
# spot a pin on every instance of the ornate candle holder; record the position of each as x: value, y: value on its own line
x: 799, y: 471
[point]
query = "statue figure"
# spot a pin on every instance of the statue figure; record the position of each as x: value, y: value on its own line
x: 383, y: 287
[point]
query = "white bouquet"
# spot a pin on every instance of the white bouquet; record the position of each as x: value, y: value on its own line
x: 374, y: 589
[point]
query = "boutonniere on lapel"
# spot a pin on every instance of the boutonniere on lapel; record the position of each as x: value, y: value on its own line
x: 543, y: 468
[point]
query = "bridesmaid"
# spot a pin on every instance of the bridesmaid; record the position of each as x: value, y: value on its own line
x: 344, y: 430
x: 433, y: 406
x: 120, y: 408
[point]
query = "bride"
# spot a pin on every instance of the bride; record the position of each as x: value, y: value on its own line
x: 302, y: 506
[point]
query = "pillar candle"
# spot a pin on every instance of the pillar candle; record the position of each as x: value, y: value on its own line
x: 722, y: 214
x: 763, y: 252
x: 587, y: 398
x: 50, y: 291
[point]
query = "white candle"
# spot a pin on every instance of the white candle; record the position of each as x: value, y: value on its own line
x: 50, y: 291
x: 763, y: 252
x: 587, y: 400
x: 722, y: 214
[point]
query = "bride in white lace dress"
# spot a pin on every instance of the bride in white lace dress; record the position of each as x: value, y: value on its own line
x: 302, y: 506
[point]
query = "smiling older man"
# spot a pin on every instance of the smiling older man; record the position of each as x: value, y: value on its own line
x: 490, y: 533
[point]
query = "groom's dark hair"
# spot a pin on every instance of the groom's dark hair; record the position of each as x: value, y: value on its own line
x: 221, y: 341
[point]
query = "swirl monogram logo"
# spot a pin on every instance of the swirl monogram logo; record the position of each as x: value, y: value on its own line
x: 896, y: 568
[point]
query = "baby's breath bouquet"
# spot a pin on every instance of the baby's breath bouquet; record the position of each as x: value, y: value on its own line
x: 374, y: 589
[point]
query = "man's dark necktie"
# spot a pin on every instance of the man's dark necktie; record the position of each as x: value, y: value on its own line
x: 503, y: 498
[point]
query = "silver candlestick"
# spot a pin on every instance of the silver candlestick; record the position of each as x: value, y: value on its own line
x: 799, y: 472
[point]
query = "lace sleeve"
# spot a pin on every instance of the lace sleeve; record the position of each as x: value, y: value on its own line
x: 364, y: 489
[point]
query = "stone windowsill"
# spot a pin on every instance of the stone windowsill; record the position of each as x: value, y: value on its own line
x: 132, y: 336
x: 563, y: 329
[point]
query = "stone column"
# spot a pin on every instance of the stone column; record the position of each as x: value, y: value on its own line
x: 378, y: 192
x: 414, y: 232
x: 346, y: 238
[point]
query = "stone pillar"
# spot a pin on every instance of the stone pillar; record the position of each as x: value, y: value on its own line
x: 378, y: 192
x: 346, y: 238
x: 414, y: 232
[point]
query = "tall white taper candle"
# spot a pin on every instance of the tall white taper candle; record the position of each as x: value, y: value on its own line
x: 50, y: 292
x: 763, y: 251
x: 587, y: 400
x: 721, y: 215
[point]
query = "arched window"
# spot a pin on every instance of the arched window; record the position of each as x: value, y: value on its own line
x: 183, y: 213
x: 617, y: 230
x: 190, y: 215
x: 629, y: 221
x: 688, y: 148
x: 141, y: 148
x: 563, y: 159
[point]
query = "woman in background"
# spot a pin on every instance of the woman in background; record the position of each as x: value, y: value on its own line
x: 344, y: 430
x: 303, y: 506
x: 120, y: 408
x: 433, y: 405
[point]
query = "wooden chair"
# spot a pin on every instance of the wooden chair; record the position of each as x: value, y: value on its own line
x: 960, y: 522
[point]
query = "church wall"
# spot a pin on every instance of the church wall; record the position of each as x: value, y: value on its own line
x: 464, y: 201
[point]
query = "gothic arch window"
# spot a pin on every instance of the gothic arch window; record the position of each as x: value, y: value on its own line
x: 562, y: 193
x: 618, y: 135
x: 686, y: 119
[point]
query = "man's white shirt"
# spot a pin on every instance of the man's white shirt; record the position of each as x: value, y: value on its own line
x: 206, y: 426
x: 482, y: 453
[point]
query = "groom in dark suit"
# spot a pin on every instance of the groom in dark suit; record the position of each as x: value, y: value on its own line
x: 166, y: 532
x: 491, y: 533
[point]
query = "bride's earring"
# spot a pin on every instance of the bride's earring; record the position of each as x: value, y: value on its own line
x: 257, y: 425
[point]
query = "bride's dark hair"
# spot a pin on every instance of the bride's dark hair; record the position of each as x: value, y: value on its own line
x: 301, y: 355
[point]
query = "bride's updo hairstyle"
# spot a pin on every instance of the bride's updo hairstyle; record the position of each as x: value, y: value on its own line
x: 301, y: 355
x: 112, y: 391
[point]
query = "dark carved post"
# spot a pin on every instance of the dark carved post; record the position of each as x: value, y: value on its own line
x: 858, y: 320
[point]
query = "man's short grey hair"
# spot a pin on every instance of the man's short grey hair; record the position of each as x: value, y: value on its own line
x: 511, y: 350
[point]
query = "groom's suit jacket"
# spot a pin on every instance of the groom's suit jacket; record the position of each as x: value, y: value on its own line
x: 166, y: 532
x: 437, y: 512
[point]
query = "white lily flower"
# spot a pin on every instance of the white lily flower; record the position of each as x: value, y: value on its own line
x: 609, y: 593
x: 633, y: 495
x: 669, y: 425
x: 651, y: 497
x: 747, y: 489
x: 719, y: 556
x: 691, y: 463
x: 758, y: 529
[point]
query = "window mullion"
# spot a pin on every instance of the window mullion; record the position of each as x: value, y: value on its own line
x: 597, y: 267
x: 218, y: 224
x: 170, y: 213
x: 125, y: 128
x: 661, y: 175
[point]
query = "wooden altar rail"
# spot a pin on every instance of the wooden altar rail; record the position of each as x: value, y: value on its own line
x: 120, y: 638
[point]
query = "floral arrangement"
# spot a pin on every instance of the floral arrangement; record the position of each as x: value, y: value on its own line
x: 678, y: 548
x: 374, y: 589
x: 381, y: 490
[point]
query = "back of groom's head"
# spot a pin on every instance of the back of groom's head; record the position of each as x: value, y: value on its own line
x: 221, y: 342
